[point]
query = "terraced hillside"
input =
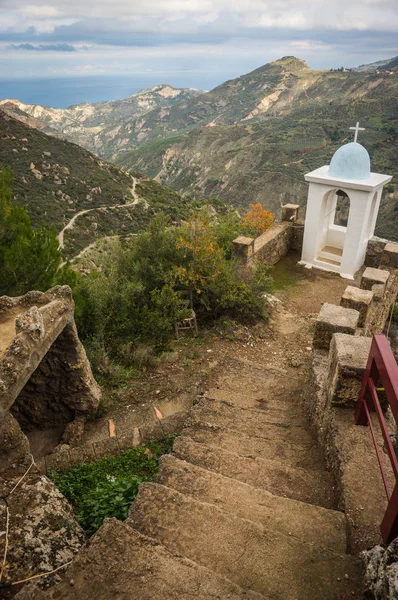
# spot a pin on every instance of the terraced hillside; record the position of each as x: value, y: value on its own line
x: 83, y: 196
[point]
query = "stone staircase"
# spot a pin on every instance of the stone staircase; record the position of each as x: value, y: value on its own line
x: 242, y: 509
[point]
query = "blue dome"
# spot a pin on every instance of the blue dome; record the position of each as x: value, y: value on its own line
x: 351, y: 161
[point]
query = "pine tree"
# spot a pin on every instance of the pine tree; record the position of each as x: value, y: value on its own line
x: 29, y: 258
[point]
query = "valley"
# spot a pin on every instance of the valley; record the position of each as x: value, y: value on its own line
x: 85, y: 198
x: 251, y: 139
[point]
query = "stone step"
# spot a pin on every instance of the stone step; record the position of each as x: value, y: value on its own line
x: 121, y: 564
x: 271, y: 444
x: 274, y: 406
x: 254, y: 385
x: 255, y: 558
x: 313, y: 487
x: 330, y: 261
x: 228, y: 413
x: 252, y: 421
x: 306, y: 522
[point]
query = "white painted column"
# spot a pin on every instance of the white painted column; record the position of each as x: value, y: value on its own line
x: 314, y: 224
x: 356, y: 239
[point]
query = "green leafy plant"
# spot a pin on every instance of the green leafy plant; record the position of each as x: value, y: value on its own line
x: 143, y: 286
x: 29, y: 257
x: 108, y: 487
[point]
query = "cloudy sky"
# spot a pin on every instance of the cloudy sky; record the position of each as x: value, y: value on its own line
x: 200, y: 42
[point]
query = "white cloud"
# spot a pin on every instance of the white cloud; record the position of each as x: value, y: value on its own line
x: 286, y: 14
x: 40, y: 11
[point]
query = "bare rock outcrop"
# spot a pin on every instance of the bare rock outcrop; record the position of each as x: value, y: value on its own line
x: 381, y: 575
x: 45, y: 376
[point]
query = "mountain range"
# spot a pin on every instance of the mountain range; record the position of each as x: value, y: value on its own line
x: 250, y: 139
x: 89, y: 124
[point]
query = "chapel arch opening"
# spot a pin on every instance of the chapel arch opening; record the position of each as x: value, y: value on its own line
x: 342, y: 209
x: 335, y: 215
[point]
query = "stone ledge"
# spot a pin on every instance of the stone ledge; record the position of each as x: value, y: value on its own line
x: 389, y: 257
x: 373, y: 277
x: 348, y: 357
x: 359, y: 300
x: 333, y: 319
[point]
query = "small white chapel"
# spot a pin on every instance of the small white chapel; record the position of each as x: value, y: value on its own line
x: 335, y: 244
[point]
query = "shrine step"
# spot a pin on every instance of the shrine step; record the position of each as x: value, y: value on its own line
x: 330, y: 255
x: 311, y: 486
x: 305, y: 522
x: 121, y: 564
x: 331, y: 251
x: 255, y: 558
x: 259, y: 423
x: 269, y: 441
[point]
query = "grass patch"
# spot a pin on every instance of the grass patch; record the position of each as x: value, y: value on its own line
x: 108, y: 487
x: 286, y: 274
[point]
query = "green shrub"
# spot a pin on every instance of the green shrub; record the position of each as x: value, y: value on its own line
x: 29, y: 257
x: 137, y: 296
x: 108, y: 487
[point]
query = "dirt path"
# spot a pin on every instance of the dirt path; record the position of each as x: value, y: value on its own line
x: 71, y: 223
x: 245, y: 494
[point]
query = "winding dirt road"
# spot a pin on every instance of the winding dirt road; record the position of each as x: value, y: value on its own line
x: 71, y: 223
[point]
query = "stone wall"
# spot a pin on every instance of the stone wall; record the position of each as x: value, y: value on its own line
x: 342, y: 339
x: 272, y: 245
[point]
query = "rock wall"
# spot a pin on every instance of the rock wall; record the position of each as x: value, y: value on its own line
x: 45, y: 381
x: 272, y: 245
x: 62, y: 387
x: 381, y: 577
x: 45, y: 377
x: 337, y: 368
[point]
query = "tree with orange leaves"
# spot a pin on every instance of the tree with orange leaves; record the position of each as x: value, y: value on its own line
x: 257, y: 220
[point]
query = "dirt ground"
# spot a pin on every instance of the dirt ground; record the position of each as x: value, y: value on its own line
x: 283, y: 341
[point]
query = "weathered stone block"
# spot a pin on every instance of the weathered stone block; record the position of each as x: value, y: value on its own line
x: 290, y: 212
x: 59, y: 460
x: 389, y: 257
x: 374, y: 251
x: 106, y: 447
x: 243, y: 247
x: 373, y: 277
x: 174, y: 423
x: 348, y: 356
x: 359, y: 300
x: 82, y: 454
x: 151, y: 431
x: 378, y: 290
x: 73, y: 432
x: 333, y: 319
x: 130, y: 439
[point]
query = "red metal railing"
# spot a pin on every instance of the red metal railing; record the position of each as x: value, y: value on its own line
x: 382, y: 367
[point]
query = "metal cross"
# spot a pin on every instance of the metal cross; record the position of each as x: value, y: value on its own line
x: 357, y: 128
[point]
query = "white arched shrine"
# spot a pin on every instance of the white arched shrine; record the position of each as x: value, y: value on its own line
x: 331, y: 246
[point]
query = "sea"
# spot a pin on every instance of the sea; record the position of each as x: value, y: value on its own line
x: 66, y: 91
